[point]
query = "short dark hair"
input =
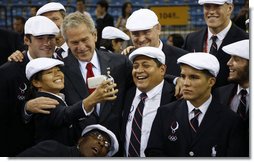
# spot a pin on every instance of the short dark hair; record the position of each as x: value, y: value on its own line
x: 23, y: 20
x: 103, y: 3
x: 83, y: 1
x: 177, y: 40
x: 158, y: 63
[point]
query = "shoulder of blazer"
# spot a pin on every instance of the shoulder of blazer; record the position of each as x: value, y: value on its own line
x: 168, y: 92
x: 166, y: 48
x: 13, y: 68
x: 43, y: 94
x: 198, y: 34
x: 172, y: 106
x: 225, y: 93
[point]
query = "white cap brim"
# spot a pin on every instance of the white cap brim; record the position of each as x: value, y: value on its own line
x: 114, y: 143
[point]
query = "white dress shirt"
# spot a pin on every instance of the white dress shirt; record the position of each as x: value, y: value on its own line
x: 203, y: 108
x: 221, y: 35
x: 96, y: 71
x: 152, y: 103
x: 236, y: 99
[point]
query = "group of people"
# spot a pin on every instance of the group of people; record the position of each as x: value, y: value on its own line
x: 155, y: 99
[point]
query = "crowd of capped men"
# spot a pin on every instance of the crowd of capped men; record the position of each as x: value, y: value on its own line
x: 80, y: 87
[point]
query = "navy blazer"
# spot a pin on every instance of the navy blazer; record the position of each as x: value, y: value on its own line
x: 172, y: 53
x: 219, y: 134
x: 13, y: 93
x: 76, y: 89
x: 10, y: 41
x: 167, y: 96
x: 50, y: 148
x: 194, y: 42
x: 60, y: 123
x: 225, y: 95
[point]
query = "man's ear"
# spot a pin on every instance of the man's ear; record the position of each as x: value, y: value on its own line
x: 36, y: 83
x: 27, y: 40
x: 212, y: 81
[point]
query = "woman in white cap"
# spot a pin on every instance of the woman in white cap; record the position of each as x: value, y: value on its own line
x: 95, y: 141
x: 197, y: 125
x: 47, y: 80
x: 112, y: 40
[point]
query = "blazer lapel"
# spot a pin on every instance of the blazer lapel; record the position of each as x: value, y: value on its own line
x: 127, y: 105
x: 73, y: 71
x: 201, y: 42
x: 104, y: 62
x: 182, y: 117
x: 208, y: 121
x: 167, y: 94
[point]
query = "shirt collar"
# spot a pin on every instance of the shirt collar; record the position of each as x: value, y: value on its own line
x: 65, y: 47
x: 239, y: 88
x: 153, y: 92
x: 221, y: 35
x: 29, y: 56
x: 94, y: 61
x: 161, y: 45
x: 203, y: 108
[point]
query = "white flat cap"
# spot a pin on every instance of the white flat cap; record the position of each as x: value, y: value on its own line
x: 220, y: 2
x: 152, y: 52
x: 40, y: 25
x: 240, y: 48
x: 110, y: 32
x: 39, y: 64
x: 201, y: 61
x: 52, y: 6
x: 114, y: 143
x: 142, y: 19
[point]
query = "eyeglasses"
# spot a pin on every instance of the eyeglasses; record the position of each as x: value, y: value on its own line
x: 101, y: 138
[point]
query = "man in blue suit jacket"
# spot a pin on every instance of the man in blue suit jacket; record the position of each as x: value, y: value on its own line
x: 178, y: 131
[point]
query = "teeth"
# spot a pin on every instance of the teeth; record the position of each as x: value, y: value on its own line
x: 141, y: 77
x: 58, y: 80
x: 95, y: 149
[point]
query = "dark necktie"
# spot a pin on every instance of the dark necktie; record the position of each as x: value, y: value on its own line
x: 213, y: 49
x: 194, y: 120
x: 59, y: 51
x: 242, y: 105
x: 89, y: 74
x: 134, y: 146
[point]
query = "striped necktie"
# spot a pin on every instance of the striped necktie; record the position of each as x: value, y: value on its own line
x: 242, y: 105
x: 59, y: 51
x: 213, y: 49
x: 194, y: 121
x: 134, y: 146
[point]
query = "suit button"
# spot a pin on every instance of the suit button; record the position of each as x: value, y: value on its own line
x: 191, y: 153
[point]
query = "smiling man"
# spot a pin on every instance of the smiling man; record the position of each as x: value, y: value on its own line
x: 237, y: 93
x: 217, y: 15
x: 14, y: 85
x: 148, y: 74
